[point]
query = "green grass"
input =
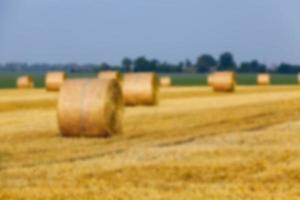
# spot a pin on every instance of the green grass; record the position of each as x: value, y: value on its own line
x: 8, y: 79
x: 242, y: 79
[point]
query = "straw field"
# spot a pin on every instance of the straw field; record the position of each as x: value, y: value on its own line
x: 195, y: 144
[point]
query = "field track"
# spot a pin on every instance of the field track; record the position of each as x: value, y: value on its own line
x: 195, y: 145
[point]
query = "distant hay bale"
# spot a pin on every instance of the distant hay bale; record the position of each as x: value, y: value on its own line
x: 25, y: 82
x: 90, y: 108
x: 223, y: 81
x: 165, y: 81
x: 263, y: 79
x: 54, y: 80
x: 210, y: 78
x: 111, y: 75
x: 140, y: 89
x: 298, y: 78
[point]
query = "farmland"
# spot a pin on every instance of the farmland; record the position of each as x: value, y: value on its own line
x: 195, y: 144
x: 8, y: 79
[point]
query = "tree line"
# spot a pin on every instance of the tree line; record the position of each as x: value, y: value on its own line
x: 204, y: 64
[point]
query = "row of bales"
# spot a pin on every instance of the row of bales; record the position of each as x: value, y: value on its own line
x: 226, y: 81
x: 222, y: 81
x: 94, y: 107
x: 54, y: 80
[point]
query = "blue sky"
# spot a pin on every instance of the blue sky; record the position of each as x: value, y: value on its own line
x: 60, y: 31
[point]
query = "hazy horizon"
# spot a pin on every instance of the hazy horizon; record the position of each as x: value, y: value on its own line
x: 56, y: 31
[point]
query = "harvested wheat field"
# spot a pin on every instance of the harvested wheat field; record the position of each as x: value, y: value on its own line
x: 195, y: 144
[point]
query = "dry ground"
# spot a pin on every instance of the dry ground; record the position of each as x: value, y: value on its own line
x: 195, y: 145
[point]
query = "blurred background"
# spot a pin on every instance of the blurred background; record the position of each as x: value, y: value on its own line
x: 186, y: 39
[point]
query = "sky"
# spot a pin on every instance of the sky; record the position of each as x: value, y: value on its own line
x: 94, y: 31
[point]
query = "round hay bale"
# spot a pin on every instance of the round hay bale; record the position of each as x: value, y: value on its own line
x: 90, y: 108
x: 54, y: 80
x: 165, y: 81
x: 25, y: 82
x: 111, y: 75
x: 263, y: 79
x: 224, y: 81
x: 140, y: 89
x: 210, y: 78
x: 298, y: 78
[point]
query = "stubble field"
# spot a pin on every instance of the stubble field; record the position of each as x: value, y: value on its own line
x: 195, y: 144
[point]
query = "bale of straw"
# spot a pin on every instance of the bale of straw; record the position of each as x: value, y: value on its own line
x: 224, y: 81
x: 263, y: 79
x: 165, y: 81
x: 25, y: 82
x: 54, y: 80
x: 111, y: 75
x: 90, y: 108
x: 298, y: 78
x: 210, y: 79
x: 140, y: 89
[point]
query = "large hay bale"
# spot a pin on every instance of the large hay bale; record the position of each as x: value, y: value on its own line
x: 55, y: 80
x: 263, y: 79
x: 165, y: 81
x: 224, y: 81
x: 90, y: 108
x: 298, y: 78
x: 140, y: 89
x: 210, y: 79
x: 25, y: 82
x: 111, y: 75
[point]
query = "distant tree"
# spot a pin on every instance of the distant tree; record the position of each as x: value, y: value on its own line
x: 286, y: 68
x: 252, y: 67
x: 205, y: 63
x: 226, y: 62
x: 127, y: 64
x: 141, y: 64
x: 188, y: 63
x: 105, y: 66
x: 167, y: 67
x: 180, y: 64
x: 154, y: 65
x: 180, y: 67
